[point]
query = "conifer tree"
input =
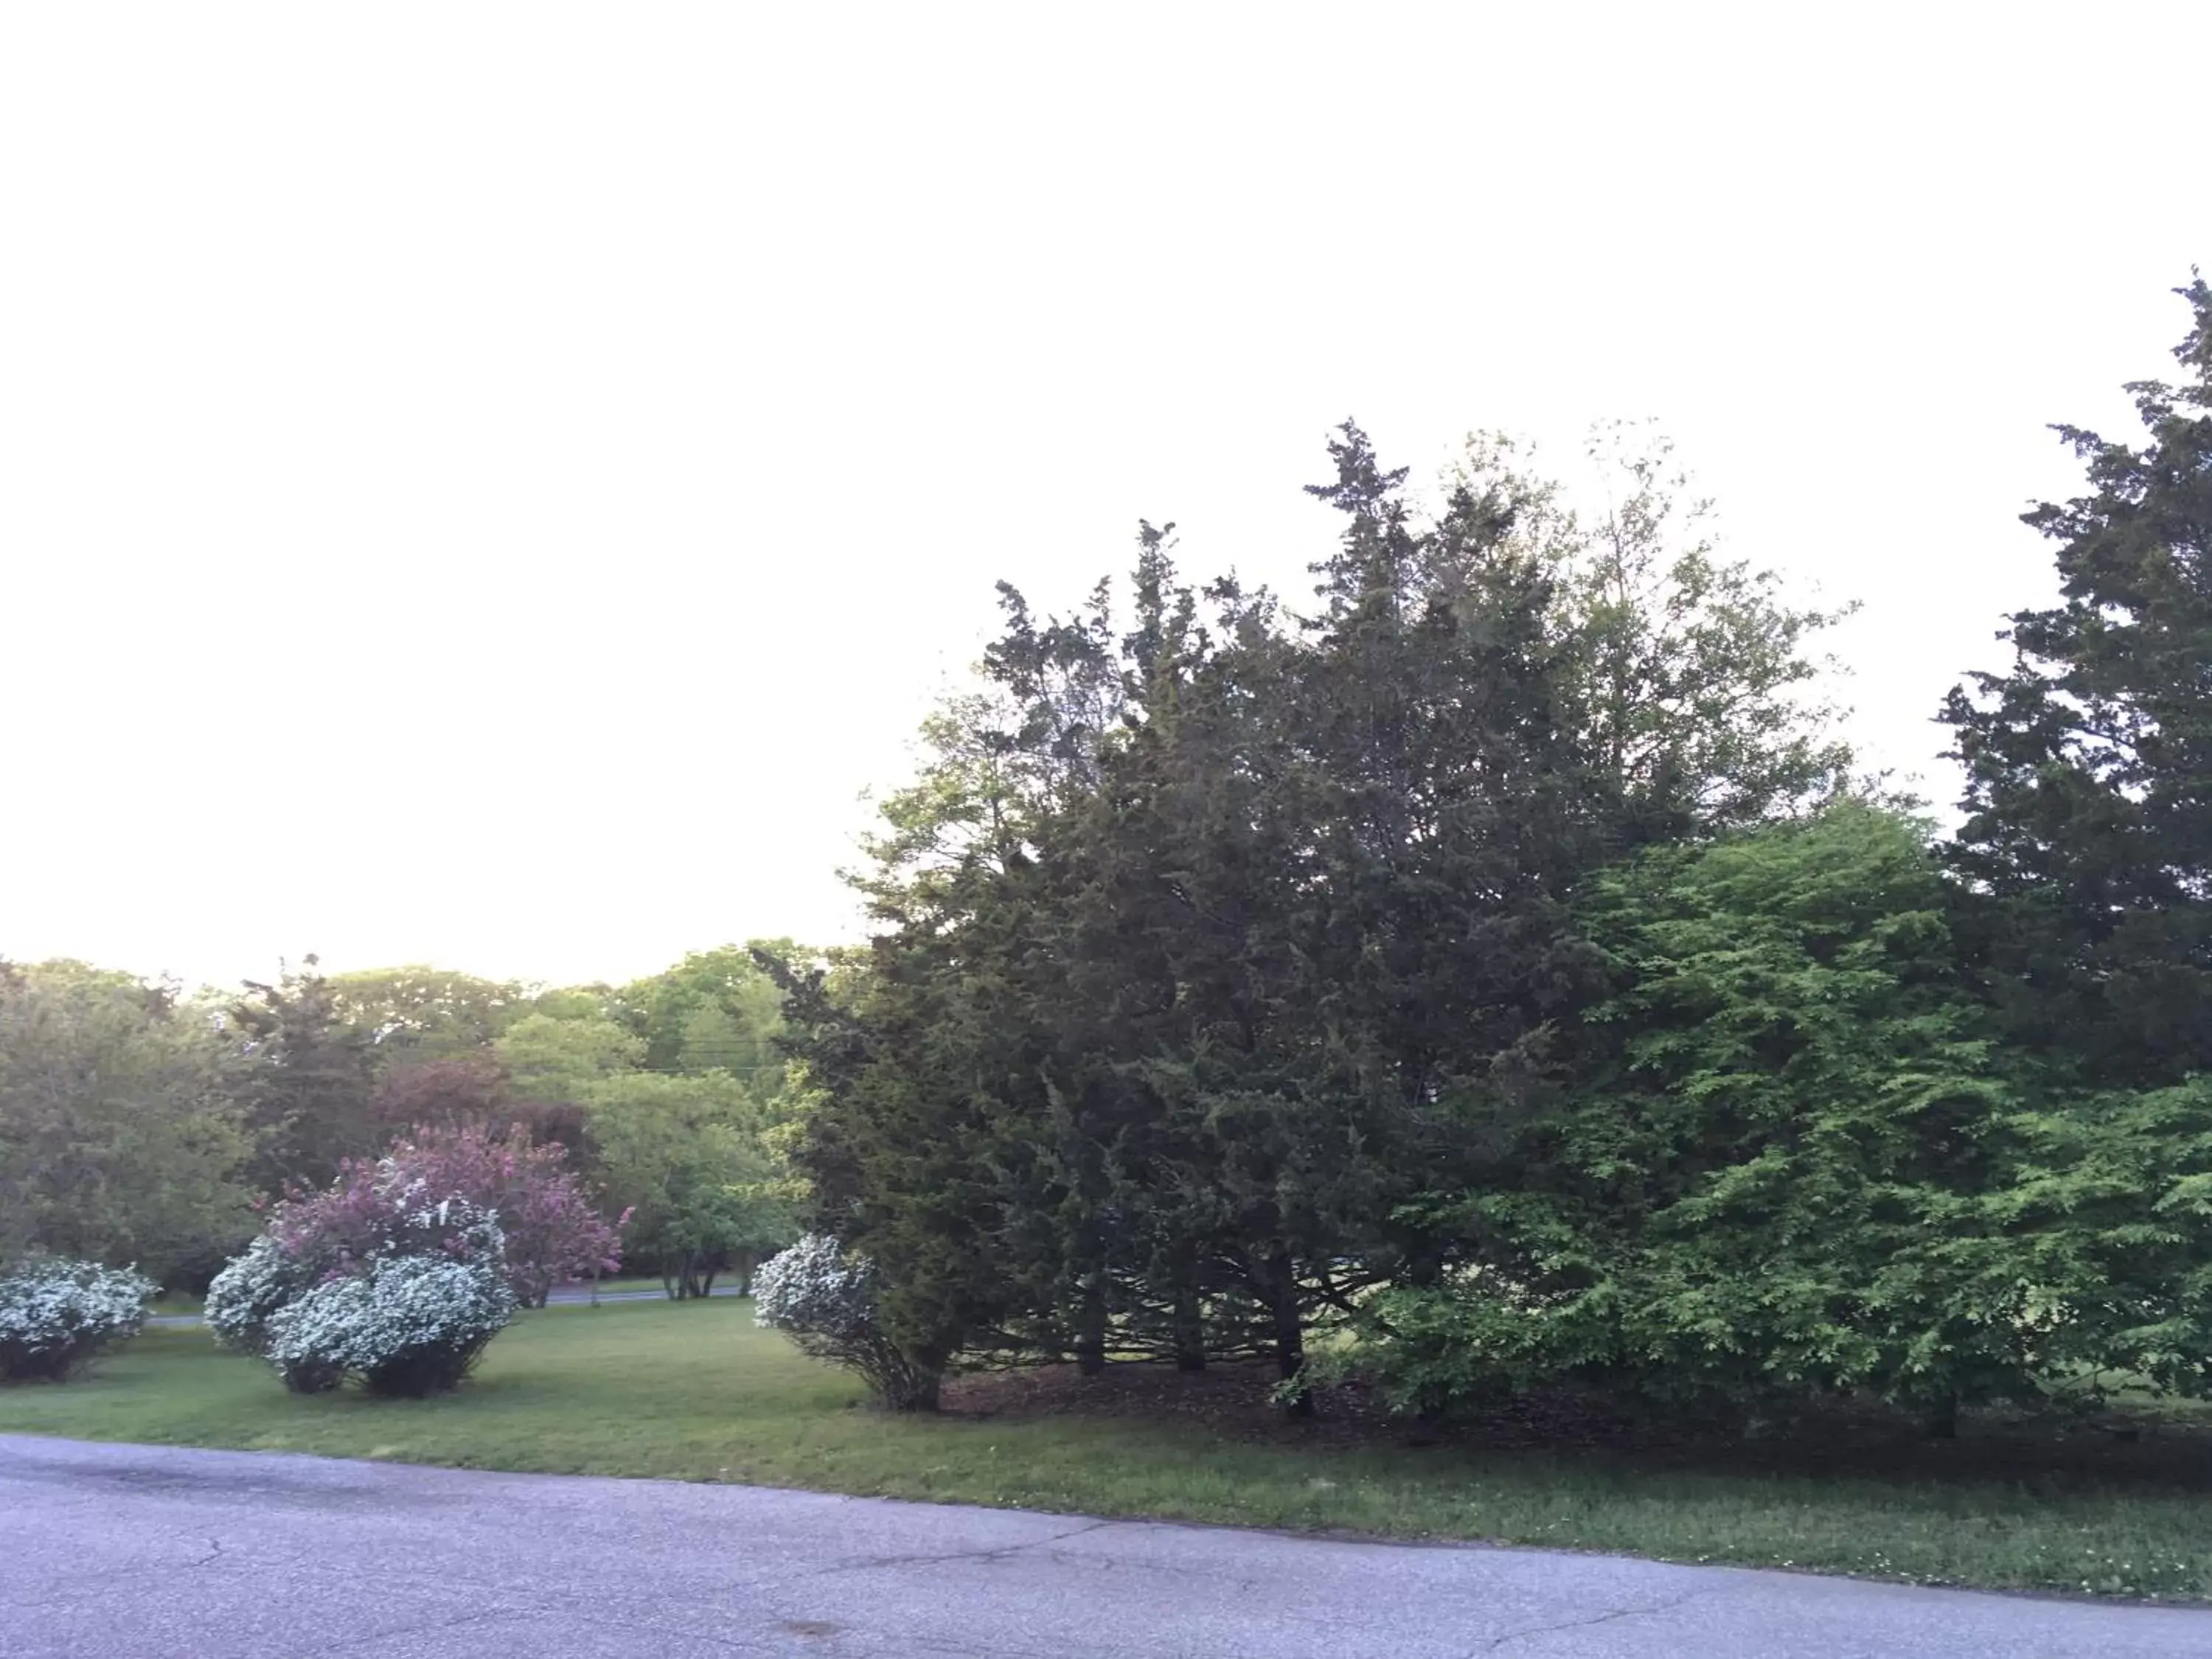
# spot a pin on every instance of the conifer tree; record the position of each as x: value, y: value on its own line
x: 2089, y: 799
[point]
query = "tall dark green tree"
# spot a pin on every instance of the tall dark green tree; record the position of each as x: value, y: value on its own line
x: 1208, y: 946
x: 2088, y: 800
x: 308, y: 1079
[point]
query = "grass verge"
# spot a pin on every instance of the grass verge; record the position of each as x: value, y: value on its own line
x: 695, y: 1391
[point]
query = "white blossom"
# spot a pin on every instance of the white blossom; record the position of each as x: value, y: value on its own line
x: 823, y: 1297
x: 55, y: 1313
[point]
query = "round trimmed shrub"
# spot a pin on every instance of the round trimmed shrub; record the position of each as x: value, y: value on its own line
x: 411, y: 1325
x: 251, y: 1291
x: 56, y: 1314
x: 824, y: 1298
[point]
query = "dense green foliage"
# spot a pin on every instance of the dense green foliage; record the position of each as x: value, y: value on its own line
x: 123, y: 1138
x: 1498, y: 963
x: 1210, y: 947
x: 2089, y: 815
x: 1796, y: 1163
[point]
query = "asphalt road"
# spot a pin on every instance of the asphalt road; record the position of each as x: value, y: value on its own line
x: 120, y: 1551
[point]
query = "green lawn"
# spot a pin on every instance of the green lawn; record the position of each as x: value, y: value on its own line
x: 697, y: 1392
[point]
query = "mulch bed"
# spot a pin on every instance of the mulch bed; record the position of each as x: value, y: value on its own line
x: 1234, y: 1399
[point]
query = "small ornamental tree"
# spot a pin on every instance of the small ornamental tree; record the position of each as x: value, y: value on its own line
x: 824, y: 1298
x: 554, y: 1232
x: 55, y: 1315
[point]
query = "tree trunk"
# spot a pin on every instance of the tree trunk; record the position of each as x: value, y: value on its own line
x: 1289, y: 1332
x: 1188, y: 1327
x: 1943, y: 1417
x: 1090, y: 1327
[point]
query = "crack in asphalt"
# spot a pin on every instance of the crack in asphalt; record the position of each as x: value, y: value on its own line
x: 454, y: 1622
x: 1605, y: 1618
x: 870, y: 1562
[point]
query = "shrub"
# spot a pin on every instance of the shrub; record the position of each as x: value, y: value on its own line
x: 372, y: 1279
x: 411, y: 1325
x: 56, y: 1314
x: 824, y: 1300
x: 248, y: 1294
x: 545, y: 1215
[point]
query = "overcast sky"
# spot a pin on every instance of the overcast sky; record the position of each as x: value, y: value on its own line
x: 492, y: 485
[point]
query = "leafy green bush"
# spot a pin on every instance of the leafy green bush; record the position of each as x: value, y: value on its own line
x: 1801, y: 1167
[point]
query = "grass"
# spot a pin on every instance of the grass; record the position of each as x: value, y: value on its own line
x: 695, y: 1391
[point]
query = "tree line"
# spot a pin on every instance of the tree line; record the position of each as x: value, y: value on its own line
x: 142, y: 1125
x: 1498, y: 963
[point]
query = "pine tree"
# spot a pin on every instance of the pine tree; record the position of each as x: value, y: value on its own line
x: 2088, y: 800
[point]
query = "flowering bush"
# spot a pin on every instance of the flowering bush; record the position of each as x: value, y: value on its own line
x: 246, y: 1296
x: 56, y: 1314
x: 824, y: 1298
x: 554, y: 1232
x: 374, y: 1278
x: 410, y: 1325
x: 545, y: 1215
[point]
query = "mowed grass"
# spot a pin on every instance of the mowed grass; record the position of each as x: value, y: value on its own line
x: 696, y: 1391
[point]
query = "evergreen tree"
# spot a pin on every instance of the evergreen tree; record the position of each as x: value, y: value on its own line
x: 1207, y: 947
x: 2089, y: 799
x: 308, y: 1083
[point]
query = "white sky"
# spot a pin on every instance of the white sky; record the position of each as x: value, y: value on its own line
x: 492, y: 484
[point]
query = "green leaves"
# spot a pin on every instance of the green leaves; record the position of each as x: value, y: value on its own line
x: 120, y: 1138
x: 1795, y: 1162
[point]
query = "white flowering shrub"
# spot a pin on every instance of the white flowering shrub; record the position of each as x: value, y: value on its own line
x: 252, y: 1290
x: 410, y: 1325
x: 55, y: 1314
x: 823, y: 1297
x: 374, y: 1281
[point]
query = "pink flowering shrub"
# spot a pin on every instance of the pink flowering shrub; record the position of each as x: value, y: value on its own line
x: 554, y: 1232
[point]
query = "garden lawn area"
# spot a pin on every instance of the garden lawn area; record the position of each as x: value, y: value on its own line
x: 696, y: 1391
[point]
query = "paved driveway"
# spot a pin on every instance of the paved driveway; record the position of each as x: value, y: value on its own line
x: 120, y: 1551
